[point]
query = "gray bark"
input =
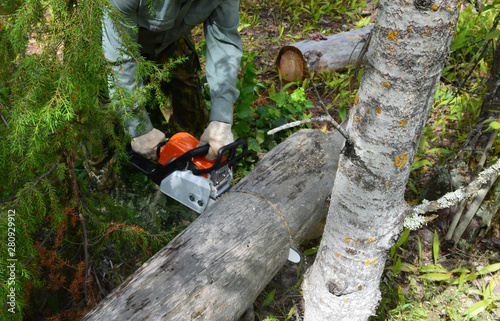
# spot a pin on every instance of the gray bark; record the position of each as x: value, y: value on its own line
x: 216, y: 268
x: 335, y: 53
x: 409, y: 44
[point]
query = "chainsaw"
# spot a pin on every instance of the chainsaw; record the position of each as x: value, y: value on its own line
x: 183, y: 173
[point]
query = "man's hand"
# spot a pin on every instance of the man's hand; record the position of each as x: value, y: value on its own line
x: 217, y: 134
x: 145, y: 145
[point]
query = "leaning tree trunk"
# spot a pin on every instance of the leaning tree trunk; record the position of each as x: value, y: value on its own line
x: 410, y: 42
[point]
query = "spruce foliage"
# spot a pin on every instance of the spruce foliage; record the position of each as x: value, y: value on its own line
x: 53, y: 76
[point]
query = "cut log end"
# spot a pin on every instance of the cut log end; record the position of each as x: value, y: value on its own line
x: 291, y: 64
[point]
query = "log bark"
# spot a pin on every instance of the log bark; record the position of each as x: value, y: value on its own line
x: 335, y: 53
x: 216, y: 268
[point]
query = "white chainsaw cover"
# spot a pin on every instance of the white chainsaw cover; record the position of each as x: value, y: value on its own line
x: 188, y: 189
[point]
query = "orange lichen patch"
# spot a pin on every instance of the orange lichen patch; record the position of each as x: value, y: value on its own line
x: 360, y: 118
x: 368, y: 111
x: 371, y: 240
x: 356, y: 98
x: 392, y: 35
x: 386, y: 185
x: 378, y: 110
x: 434, y: 7
x: 338, y: 254
x: 356, y: 241
x: 347, y: 240
x: 401, y: 160
x: 452, y: 23
x: 403, y: 122
x: 390, y: 48
x: 409, y: 27
x: 371, y: 262
x: 386, y: 84
x: 450, y: 7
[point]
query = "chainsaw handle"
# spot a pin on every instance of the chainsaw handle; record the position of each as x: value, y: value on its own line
x: 230, y: 160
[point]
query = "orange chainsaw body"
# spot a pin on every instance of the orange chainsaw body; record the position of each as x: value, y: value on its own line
x: 178, y: 145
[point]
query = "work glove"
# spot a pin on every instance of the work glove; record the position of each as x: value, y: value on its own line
x: 145, y: 145
x: 217, y: 134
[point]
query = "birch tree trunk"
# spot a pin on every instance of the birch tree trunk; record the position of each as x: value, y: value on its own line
x: 410, y: 42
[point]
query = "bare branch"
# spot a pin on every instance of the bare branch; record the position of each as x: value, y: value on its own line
x: 297, y: 123
x: 85, y: 249
x: 330, y: 118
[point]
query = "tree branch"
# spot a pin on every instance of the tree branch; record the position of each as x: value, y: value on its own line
x: 298, y: 123
x: 86, y: 253
x: 455, y: 197
x: 35, y: 183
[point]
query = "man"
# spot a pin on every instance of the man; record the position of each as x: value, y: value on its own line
x: 160, y: 24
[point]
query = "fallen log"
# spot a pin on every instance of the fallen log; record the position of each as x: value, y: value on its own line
x: 336, y: 52
x: 216, y: 268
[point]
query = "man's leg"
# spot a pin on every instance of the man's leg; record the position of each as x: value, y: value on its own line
x: 189, y: 112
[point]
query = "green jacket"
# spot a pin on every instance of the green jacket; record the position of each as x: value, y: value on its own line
x: 161, y: 26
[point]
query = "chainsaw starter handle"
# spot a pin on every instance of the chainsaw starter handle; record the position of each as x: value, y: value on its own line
x: 231, y: 159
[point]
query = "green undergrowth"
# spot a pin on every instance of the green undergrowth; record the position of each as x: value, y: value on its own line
x: 429, y: 286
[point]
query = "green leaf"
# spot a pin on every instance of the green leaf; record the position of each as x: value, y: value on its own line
x: 342, y: 113
x: 489, y: 269
x: 253, y: 145
x: 279, y: 98
x: 477, y: 308
x: 494, y: 125
x: 461, y: 280
x: 419, y: 164
x: 435, y: 276
x: 419, y: 251
x: 407, y: 267
x: 434, y: 268
x: 460, y: 270
x: 269, y: 298
x: 260, y: 136
x: 438, y: 150
x: 290, y: 313
x: 490, y: 287
x: 492, y: 35
x: 402, y: 240
x: 311, y: 250
x: 435, y: 247
x: 401, y: 296
x: 397, y: 266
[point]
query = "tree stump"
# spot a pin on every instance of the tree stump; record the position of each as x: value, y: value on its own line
x: 216, y: 268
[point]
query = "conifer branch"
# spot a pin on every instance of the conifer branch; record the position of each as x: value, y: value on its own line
x: 35, y: 183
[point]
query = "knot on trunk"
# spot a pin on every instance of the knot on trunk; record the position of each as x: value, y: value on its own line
x: 339, y: 288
